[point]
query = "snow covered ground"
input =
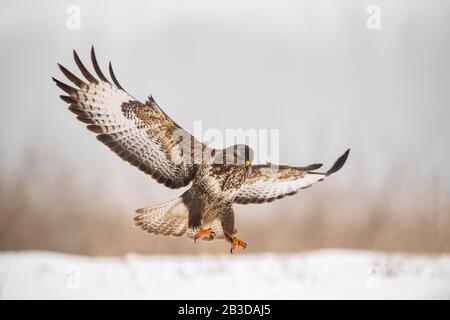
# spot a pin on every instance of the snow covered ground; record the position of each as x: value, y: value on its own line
x: 339, y: 274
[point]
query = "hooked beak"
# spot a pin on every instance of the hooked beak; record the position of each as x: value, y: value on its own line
x: 248, y: 168
x: 248, y: 171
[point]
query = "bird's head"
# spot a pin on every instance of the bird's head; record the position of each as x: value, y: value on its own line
x: 239, y: 154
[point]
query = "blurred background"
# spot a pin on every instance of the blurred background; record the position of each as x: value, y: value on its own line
x: 312, y: 69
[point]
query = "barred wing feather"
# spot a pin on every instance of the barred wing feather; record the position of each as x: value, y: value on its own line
x: 268, y: 182
x: 140, y: 133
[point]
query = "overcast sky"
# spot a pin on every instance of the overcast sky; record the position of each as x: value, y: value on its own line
x: 311, y: 69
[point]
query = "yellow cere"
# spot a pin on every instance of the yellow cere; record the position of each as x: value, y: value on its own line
x: 247, y: 163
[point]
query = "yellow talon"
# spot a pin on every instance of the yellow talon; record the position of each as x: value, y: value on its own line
x: 203, y: 233
x: 237, y: 243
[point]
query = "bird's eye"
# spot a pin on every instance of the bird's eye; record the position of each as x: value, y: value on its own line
x: 247, y: 163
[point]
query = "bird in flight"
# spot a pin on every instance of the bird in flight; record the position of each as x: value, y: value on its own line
x: 142, y: 134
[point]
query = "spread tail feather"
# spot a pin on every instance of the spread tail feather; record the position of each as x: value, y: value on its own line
x: 169, y: 218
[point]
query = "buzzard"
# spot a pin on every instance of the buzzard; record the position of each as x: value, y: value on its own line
x: 142, y: 134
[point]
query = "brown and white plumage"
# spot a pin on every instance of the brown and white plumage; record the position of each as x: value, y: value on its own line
x: 269, y: 182
x: 170, y: 219
x: 140, y: 133
x: 143, y: 135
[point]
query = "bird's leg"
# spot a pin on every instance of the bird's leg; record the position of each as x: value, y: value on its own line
x: 203, y: 233
x: 235, y: 242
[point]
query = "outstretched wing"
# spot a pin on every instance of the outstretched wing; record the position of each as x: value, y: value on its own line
x: 269, y: 182
x: 140, y: 133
